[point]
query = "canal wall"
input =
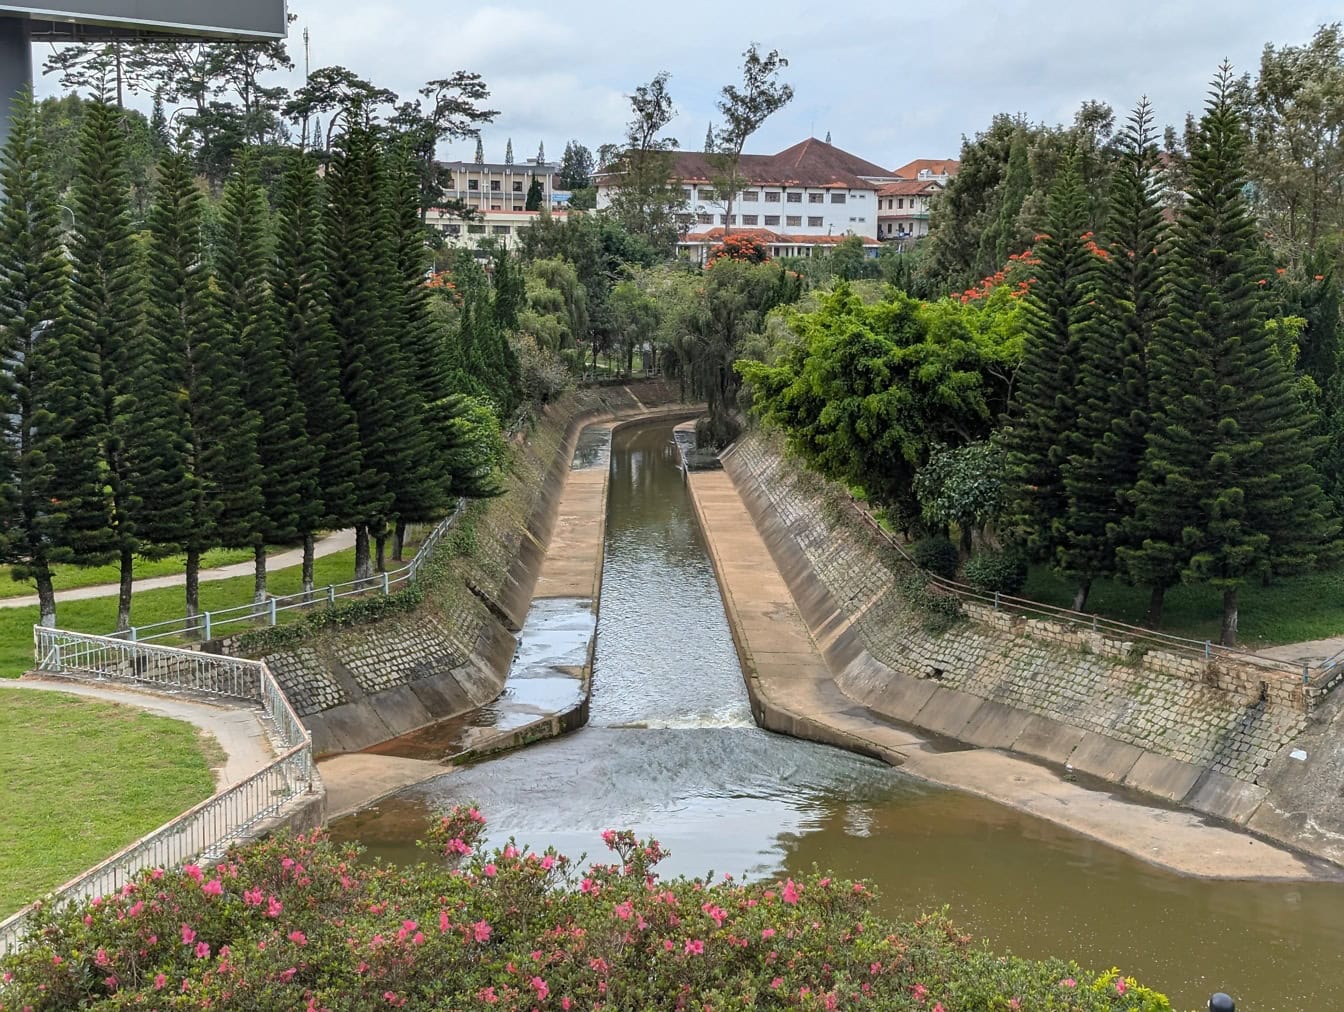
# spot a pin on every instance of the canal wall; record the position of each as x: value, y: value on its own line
x: 1153, y: 723
x: 358, y: 685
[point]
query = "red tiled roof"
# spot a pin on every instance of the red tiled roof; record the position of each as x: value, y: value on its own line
x: 910, y: 188
x: 765, y: 235
x: 936, y: 166
x: 808, y: 163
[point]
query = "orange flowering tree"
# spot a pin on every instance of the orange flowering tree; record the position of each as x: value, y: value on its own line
x: 746, y: 248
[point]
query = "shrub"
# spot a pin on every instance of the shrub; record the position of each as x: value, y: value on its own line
x: 1004, y: 571
x: 937, y: 555
x: 299, y: 923
x: 716, y: 431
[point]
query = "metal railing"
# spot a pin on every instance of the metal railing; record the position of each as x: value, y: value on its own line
x: 209, y: 624
x: 206, y: 830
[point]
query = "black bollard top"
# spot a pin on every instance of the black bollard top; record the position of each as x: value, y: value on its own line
x: 1222, y: 1003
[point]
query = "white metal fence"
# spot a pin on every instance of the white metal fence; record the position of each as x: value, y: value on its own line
x: 206, y: 830
x: 209, y: 625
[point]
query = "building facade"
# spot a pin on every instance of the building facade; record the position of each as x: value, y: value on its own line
x: 499, y: 227
x: 497, y: 186
x: 903, y: 209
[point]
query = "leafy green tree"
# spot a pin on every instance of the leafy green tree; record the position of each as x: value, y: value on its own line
x: 535, y: 195
x: 964, y: 485
x: 451, y: 110
x: 335, y: 91
x: 108, y: 69
x: 312, y: 353
x: 1227, y: 491
x: 744, y: 111
x: 1045, y: 402
x: 107, y: 322
x: 286, y: 473
x: 51, y: 503
x: 636, y: 317
x: 556, y: 313
x: 1106, y: 446
x: 644, y: 196
x: 576, y: 167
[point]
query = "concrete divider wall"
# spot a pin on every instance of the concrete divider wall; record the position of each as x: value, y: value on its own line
x: 993, y: 682
x: 357, y: 686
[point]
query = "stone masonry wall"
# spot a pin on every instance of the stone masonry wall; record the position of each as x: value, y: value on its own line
x: 1209, y: 716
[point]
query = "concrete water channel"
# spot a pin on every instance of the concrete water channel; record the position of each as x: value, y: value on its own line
x: 671, y: 751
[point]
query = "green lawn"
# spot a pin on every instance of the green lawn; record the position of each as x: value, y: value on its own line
x: 81, y: 779
x: 1293, y: 609
x: 99, y: 614
x: 70, y: 577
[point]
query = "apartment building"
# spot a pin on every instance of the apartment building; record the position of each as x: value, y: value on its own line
x: 500, y: 186
x: 903, y: 209
x: 501, y: 226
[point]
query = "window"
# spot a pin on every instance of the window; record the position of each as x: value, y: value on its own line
x: 772, y: 219
x: 706, y: 193
x: 814, y: 222
x: 837, y: 198
x: 452, y: 229
x: 750, y: 219
x: 495, y: 207
x: 494, y: 186
x: 501, y: 229
x: 519, y: 207
x: 794, y: 220
x: 795, y: 198
x: 727, y: 219
x: 816, y: 198
x: 772, y: 196
x: 750, y: 196
x: 685, y: 193
x: 900, y: 202
x: 685, y: 219
x: 517, y: 186
x: 473, y: 184
x: 705, y: 219
x: 475, y: 230
x: 863, y: 219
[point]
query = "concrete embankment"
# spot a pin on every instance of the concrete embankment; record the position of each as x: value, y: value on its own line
x: 810, y: 674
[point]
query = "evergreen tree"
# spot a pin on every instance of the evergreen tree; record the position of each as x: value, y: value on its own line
x: 1045, y: 408
x: 1227, y: 492
x: 158, y: 122
x: 480, y: 151
x: 50, y: 487
x: 828, y: 137
x: 709, y: 139
x: 312, y: 353
x: 287, y: 473
x: 508, y: 152
x: 535, y: 195
x: 541, y: 153
x: 1002, y: 238
x: 106, y: 319
x: 1108, y: 440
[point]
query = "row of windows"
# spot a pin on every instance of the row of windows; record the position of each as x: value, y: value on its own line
x: 790, y: 220
x: 475, y: 184
x: 477, y: 229
x: 899, y: 205
x: 771, y: 196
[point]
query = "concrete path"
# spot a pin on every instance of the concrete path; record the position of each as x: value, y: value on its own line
x: 237, y: 729
x: 1309, y: 652
x: 792, y: 686
x: 329, y: 545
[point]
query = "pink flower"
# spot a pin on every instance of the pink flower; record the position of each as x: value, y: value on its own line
x: 1120, y: 985
x: 253, y: 897
x: 777, y: 983
x: 510, y: 850
x: 767, y: 932
x: 920, y: 992
x: 193, y: 872
x: 298, y: 937
x: 541, y: 988
x: 608, y: 836
x: 202, y: 950
x: 136, y: 908
x: 1068, y: 982
x: 548, y: 863
x: 487, y: 995
x: 694, y: 947
x: 790, y: 893
x: 213, y: 888
x: 273, y: 907
x: 188, y: 935
x: 159, y: 981
x: 156, y: 874
x: 489, y: 870
x: 443, y: 921
x: 481, y: 930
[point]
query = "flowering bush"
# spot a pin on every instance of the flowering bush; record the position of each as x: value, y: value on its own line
x: 745, y: 247
x: 300, y: 923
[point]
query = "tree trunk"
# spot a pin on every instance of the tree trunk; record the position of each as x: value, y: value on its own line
x: 966, y: 543
x: 1080, y: 595
x: 1156, y: 597
x: 193, y: 585
x: 363, y: 567
x: 399, y: 541
x: 380, y: 541
x: 258, y: 573
x: 124, y: 588
x: 1228, y: 638
x: 309, y: 550
x: 46, y: 595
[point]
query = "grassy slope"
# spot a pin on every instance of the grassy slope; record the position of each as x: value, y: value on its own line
x: 81, y: 779
x: 99, y: 615
x: 70, y: 577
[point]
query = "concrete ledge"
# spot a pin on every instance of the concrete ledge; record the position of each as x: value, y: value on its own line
x: 995, y: 725
x: 948, y: 712
x: 1104, y: 757
x: 1051, y: 740
x: 1167, y: 778
x: 1225, y: 798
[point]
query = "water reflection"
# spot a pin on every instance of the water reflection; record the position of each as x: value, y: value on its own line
x: 671, y: 752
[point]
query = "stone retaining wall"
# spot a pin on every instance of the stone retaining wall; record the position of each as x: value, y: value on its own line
x: 1170, y: 725
x: 357, y: 686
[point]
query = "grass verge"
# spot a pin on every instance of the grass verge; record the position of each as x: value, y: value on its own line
x: 71, y: 577
x: 81, y: 779
x: 1290, y: 610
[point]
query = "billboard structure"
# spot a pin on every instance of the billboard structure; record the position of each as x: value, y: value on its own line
x: 94, y: 21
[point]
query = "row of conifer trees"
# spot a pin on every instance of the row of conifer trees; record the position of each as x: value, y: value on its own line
x: 230, y: 376
x: 1158, y: 431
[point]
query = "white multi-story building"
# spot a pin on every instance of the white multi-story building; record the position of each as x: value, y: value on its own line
x: 903, y: 209
x: 503, y: 227
x: 808, y: 196
x: 498, y: 186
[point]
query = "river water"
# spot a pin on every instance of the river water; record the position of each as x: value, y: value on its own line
x: 671, y: 751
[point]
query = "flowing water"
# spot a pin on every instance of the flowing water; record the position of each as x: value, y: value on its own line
x: 671, y: 751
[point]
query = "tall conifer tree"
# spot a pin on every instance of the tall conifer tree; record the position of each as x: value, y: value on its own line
x: 287, y: 471
x: 50, y: 485
x: 1045, y: 407
x: 1108, y: 440
x: 106, y: 317
x: 312, y: 353
x: 1227, y: 492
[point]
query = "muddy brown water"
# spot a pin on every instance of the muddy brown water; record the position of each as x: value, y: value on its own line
x: 671, y: 751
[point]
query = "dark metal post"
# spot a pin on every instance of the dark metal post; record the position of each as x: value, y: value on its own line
x: 16, y: 67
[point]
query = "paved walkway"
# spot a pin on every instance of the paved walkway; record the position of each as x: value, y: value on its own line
x: 1311, y: 652
x: 790, y: 679
x: 237, y: 729
x: 329, y: 545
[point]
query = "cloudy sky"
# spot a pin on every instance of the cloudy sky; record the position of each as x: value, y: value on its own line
x: 890, y: 83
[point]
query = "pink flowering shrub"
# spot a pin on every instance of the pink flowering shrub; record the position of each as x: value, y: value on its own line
x: 295, y: 922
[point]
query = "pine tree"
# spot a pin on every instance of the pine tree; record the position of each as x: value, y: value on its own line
x: 287, y: 472
x: 709, y: 138
x: 1044, y: 408
x: 1227, y: 491
x: 106, y: 317
x: 158, y: 122
x: 50, y: 486
x: 1002, y: 239
x: 541, y: 153
x: 535, y: 195
x: 828, y: 137
x: 1108, y: 440
x: 508, y: 152
x: 313, y: 353
x: 480, y: 151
